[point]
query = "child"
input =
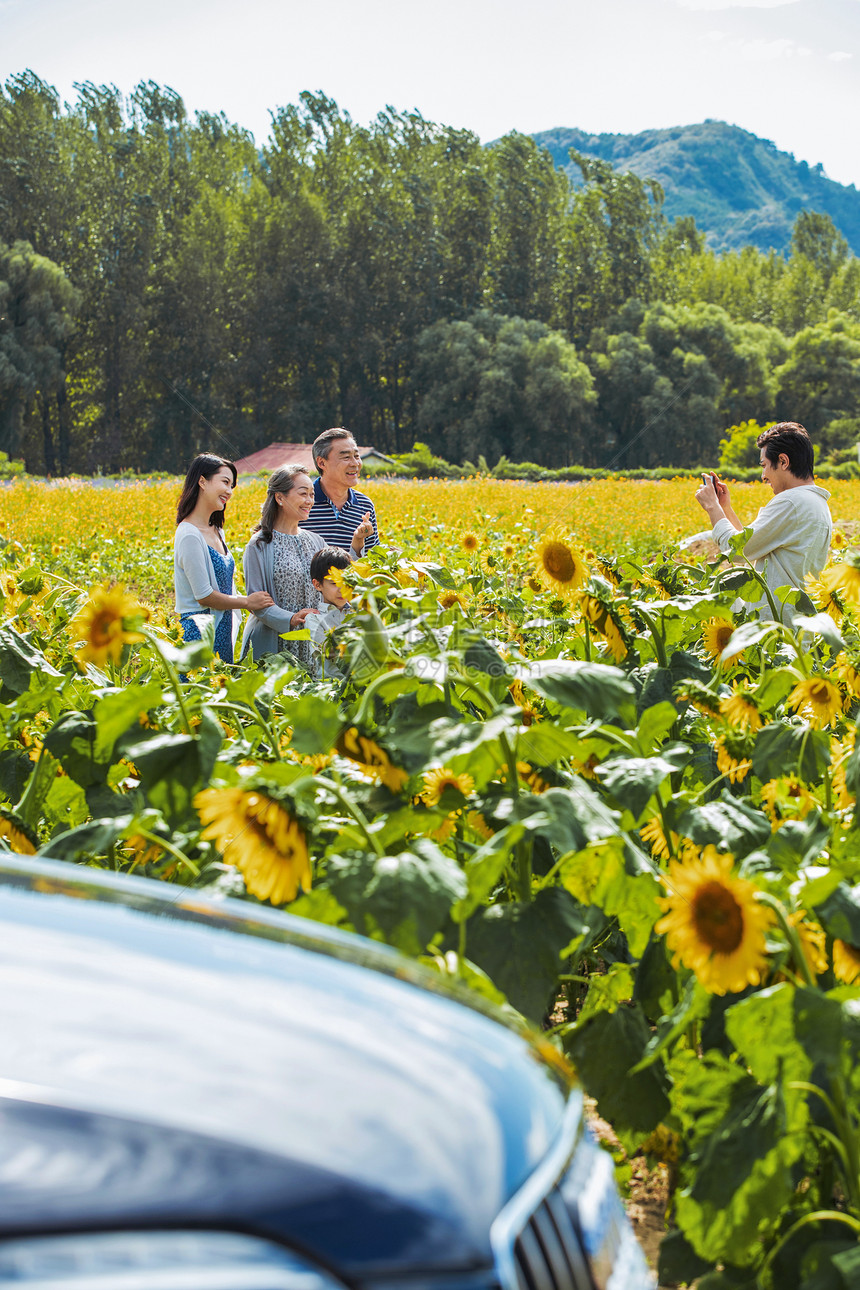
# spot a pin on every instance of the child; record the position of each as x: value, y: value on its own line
x: 336, y: 607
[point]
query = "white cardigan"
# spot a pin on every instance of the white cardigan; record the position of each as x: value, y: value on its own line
x: 194, y: 575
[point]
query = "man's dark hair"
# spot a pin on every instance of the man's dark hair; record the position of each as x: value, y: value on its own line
x: 792, y: 439
x: 324, y: 442
x: 328, y: 557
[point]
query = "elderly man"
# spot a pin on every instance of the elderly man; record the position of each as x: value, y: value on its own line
x: 791, y: 534
x: 340, y: 514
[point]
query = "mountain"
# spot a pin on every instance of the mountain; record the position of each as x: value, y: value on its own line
x: 739, y: 188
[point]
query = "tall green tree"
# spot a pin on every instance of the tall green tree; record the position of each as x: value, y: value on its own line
x: 493, y: 386
x: 37, y: 304
x: 820, y: 380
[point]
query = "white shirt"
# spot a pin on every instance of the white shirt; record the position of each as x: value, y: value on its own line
x: 790, y: 539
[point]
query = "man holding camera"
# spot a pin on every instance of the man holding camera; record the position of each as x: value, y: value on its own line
x: 791, y: 534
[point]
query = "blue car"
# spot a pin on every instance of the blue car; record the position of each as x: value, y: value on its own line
x: 209, y: 1095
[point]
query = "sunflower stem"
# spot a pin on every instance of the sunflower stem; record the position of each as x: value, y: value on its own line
x: 790, y: 933
x: 848, y: 1135
x: 350, y: 807
x: 370, y: 692
x: 172, y: 677
x: 656, y: 638
x: 29, y: 808
x: 255, y: 716
x: 482, y: 694
x: 522, y: 851
x: 169, y: 848
x: 818, y: 1216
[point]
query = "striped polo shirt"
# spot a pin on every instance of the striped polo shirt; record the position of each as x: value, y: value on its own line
x: 336, y: 528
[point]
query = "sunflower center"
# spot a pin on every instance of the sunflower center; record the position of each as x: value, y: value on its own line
x: 819, y: 693
x: 724, y: 635
x: 264, y: 835
x: 104, y: 627
x: 718, y: 918
x: 559, y: 562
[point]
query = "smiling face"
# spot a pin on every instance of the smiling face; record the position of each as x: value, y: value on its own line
x: 775, y: 473
x: 342, y: 467
x: 217, y: 490
x: 296, y: 505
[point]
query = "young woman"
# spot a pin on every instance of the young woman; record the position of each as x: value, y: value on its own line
x: 203, y: 568
x: 278, y: 560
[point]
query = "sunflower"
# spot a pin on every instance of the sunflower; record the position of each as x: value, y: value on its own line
x: 608, y: 572
x: 560, y: 565
x: 509, y: 550
x: 825, y: 598
x: 812, y: 941
x: 373, y: 760
x: 846, y: 962
x: 653, y: 835
x: 448, y: 599
x: 786, y: 798
x: 336, y: 576
x: 839, y: 753
x: 16, y: 835
x: 479, y: 825
x: 734, y: 752
x: 256, y: 833
x: 716, y: 634
x: 598, y: 614
x: 443, y: 831
x: 109, y: 620
x: 533, y: 583
x: 408, y: 578
x: 816, y: 699
x: 713, y: 923
x: 588, y: 768
x: 492, y: 563
x: 844, y: 579
x: 470, y: 542
x: 740, y: 709
x: 849, y: 676
x: 529, y: 713
x: 531, y: 778
x: 143, y: 851
x: 701, y: 698
x: 439, y: 781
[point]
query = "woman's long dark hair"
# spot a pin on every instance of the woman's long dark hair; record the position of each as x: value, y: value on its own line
x: 280, y: 481
x: 204, y: 466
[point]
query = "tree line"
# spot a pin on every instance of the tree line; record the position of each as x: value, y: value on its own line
x: 165, y: 285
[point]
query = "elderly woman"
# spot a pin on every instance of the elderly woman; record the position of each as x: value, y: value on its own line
x: 277, y: 560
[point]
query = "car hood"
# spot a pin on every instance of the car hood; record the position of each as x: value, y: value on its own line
x: 342, y: 1107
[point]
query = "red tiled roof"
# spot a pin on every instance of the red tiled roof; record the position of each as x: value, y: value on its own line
x: 282, y: 454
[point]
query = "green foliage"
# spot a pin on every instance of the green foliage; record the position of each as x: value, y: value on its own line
x: 491, y: 382
x: 404, y: 280
x: 574, y: 828
x: 739, y: 447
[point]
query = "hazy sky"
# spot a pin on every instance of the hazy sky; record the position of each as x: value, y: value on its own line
x: 788, y: 70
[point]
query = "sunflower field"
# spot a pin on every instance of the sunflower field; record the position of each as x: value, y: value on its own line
x: 556, y: 760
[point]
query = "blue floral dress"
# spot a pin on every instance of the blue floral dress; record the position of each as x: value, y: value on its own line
x: 225, y: 568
